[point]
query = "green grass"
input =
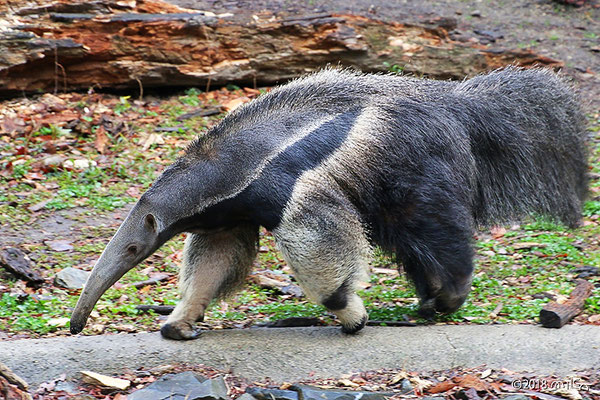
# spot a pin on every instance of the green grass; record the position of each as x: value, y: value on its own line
x: 27, y: 314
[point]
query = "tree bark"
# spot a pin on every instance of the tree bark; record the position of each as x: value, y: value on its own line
x: 73, y: 45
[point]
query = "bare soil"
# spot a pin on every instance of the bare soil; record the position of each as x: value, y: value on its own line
x: 569, y: 34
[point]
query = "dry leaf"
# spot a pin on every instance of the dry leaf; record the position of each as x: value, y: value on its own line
x: 348, y: 383
x: 471, y: 381
x: 441, y: 387
x: 497, y: 232
x: 398, y: 377
x: 101, y: 139
x: 151, y: 139
x: 419, y: 383
x: 235, y: 103
x: 594, y: 318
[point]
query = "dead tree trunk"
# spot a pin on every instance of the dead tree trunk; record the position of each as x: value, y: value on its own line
x: 69, y: 45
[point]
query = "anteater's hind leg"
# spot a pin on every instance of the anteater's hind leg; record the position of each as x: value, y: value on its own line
x: 437, y: 255
x: 214, y: 264
x: 324, y: 243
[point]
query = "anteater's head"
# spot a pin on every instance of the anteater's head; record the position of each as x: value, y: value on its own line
x: 139, y: 236
x: 154, y: 219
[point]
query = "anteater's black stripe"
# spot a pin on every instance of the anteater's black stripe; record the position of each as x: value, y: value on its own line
x: 264, y: 200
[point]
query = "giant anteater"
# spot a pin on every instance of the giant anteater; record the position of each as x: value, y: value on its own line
x: 338, y: 161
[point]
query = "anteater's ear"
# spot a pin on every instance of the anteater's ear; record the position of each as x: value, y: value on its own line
x: 150, y: 223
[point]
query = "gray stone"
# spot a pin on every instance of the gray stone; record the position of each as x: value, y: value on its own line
x: 515, y: 397
x: 406, y: 387
x: 71, y: 278
x: 246, y: 396
x: 182, y: 386
x: 54, y: 160
x: 311, y: 393
x: 272, y: 394
x: 293, y: 290
x: 66, y: 386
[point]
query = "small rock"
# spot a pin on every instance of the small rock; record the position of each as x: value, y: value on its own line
x: 311, y: 393
x: 183, y: 386
x: 79, y: 164
x: 71, y: 278
x: 55, y: 160
x: 492, y: 36
x: 246, y: 396
x: 271, y: 394
x: 292, y: 290
x: 515, y: 397
x: 59, y: 245
x: 66, y: 386
x: 406, y: 387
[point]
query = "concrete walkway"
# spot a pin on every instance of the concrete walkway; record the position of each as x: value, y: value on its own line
x: 293, y: 353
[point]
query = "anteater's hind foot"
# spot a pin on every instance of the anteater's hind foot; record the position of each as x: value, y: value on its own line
x: 446, y: 301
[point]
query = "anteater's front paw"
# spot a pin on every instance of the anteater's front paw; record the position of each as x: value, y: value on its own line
x: 180, y: 330
x: 351, y: 329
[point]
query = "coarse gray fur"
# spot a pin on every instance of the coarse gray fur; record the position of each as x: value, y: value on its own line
x: 338, y: 161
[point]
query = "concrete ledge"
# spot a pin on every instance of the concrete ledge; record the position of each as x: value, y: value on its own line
x: 293, y: 353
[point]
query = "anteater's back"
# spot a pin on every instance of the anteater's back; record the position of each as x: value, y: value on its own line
x: 503, y: 145
x: 527, y: 135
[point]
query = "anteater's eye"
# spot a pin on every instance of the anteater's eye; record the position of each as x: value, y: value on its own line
x: 132, y: 249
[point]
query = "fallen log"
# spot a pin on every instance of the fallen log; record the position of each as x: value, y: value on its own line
x: 555, y: 315
x: 67, y: 45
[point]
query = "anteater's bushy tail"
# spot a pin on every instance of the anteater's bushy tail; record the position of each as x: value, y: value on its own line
x: 527, y: 136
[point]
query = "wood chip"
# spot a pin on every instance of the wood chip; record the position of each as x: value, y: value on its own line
x: 94, y: 378
x: 528, y: 245
x: 13, y: 378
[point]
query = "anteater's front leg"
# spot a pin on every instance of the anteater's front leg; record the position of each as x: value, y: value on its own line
x: 214, y: 264
x: 324, y: 243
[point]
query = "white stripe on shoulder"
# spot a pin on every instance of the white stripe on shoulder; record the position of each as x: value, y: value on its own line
x: 299, y: 134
